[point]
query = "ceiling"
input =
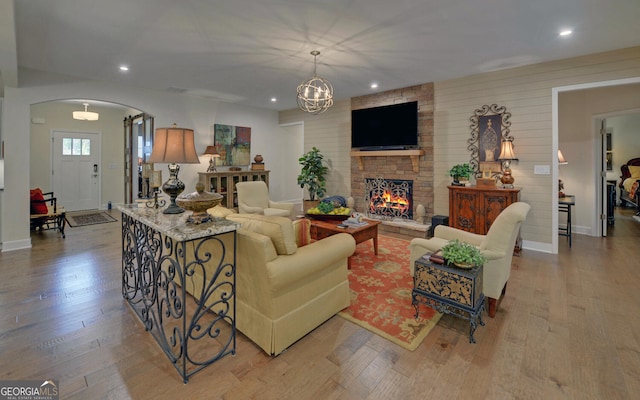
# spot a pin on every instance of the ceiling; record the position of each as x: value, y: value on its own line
x: 249, y: 51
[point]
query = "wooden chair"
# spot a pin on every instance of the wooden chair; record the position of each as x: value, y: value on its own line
x: 54, y: 218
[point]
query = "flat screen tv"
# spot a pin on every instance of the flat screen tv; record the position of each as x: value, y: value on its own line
x: 393, y: 127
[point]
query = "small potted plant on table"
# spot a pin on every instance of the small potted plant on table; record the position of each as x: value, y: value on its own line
x: 460, y: 172
x: 312, y: 176
x: 463, y: 255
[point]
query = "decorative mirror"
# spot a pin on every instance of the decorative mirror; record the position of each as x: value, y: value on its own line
x: 489, y: 127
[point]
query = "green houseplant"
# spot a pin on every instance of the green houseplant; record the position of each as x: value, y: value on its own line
x: 460, y: 171
x: 462, y: 254
x: 312, y: 175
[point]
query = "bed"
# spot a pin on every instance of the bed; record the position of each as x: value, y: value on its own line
x: 630, y: 184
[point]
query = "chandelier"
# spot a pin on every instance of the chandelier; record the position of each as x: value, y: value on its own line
x: 86, y: 115
x: 315, y: 95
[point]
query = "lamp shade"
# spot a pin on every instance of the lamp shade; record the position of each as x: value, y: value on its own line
x: 211, y: 151
x: 506, y: 152
x: 174, y: 145
x: 561, y: 159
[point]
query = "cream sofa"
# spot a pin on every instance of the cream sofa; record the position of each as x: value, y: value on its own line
x: 284, y: 291
x: 497, y: 246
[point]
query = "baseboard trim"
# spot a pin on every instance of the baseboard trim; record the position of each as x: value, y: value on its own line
x: 16, y: 245
x: 537, y: 246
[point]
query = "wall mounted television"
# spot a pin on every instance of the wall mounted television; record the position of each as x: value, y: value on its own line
x: 393, y: 127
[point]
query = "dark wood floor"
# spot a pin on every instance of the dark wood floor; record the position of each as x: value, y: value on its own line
x: 568, y: 328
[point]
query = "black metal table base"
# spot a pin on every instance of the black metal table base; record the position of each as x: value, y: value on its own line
x: 192, y: 331
x: 474, y: 316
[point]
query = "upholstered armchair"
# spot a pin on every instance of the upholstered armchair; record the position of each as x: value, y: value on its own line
x: 253, y: 198
x: 497, y: 246
x: 285, y: 287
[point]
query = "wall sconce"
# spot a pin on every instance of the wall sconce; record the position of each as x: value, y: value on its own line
x: 507, y: 155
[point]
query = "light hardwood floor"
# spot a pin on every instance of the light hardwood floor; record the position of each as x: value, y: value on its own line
x: 568, y: 328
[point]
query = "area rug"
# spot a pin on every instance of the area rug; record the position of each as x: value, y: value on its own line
x: 88, y: 218
x: 381, y: 294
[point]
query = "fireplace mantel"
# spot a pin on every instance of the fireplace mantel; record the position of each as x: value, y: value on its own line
x: 414, y: 154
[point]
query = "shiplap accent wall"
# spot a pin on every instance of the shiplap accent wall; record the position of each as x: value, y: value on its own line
x: 526, y: 92
x: 331, y: 133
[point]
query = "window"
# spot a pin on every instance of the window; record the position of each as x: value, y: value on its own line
x: 76, y: 147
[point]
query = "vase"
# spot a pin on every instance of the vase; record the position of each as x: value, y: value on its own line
x: 258, y: 159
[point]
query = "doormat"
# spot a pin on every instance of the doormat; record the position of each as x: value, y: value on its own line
x: 88, y: 218
x: 381, y: 294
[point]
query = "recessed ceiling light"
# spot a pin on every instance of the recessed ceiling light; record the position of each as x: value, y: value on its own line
x: 124, y: 68
x: 273, y: 99
x: 374, y: 85
x: 566, y: 32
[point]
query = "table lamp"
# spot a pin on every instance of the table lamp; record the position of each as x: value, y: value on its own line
x: 173, y: 145
x: 561, y: 161
x: 212, y: 153
x: 507, y: 155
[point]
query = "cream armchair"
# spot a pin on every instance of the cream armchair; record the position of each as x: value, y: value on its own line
x: 283, y: 291
x: 253, y: 198
x: 497, y: 246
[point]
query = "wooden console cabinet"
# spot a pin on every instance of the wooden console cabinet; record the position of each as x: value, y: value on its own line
x: 224, y: 183
x: 474, y: 209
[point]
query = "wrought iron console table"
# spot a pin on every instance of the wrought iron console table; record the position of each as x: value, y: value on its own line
x: 179, y: 279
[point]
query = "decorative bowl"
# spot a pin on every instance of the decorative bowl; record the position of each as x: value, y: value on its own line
x: 199, y: 202
x: 327, y: 217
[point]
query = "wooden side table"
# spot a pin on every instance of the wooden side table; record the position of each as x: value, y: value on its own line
x: 449, y: 290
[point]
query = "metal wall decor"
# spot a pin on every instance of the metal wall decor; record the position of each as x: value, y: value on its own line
x: 490, y: 125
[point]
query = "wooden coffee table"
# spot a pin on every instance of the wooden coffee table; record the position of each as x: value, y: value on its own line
x: 323, y: 229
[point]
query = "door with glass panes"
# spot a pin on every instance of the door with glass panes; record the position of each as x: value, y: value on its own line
x: 76, y: 169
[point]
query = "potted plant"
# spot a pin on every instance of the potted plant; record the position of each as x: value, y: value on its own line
x: 312, y: 176
x: 460, y: 171
x: 463, y: 255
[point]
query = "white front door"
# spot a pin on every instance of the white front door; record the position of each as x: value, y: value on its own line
x: 76, y: 169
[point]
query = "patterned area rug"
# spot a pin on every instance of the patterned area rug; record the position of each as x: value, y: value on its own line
x: 88, y: 218
x: 381, y: 294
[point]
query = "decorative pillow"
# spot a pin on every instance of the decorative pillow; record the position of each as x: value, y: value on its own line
x: 36, y: 206
x: 634, y: 170
x: 279, y: 229
x: 220, y: 211
x: 302, y: 230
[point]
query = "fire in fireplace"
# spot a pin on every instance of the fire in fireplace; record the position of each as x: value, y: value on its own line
x: 389, y: 198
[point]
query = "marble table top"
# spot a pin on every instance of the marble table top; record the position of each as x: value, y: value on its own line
x: 175, y: 225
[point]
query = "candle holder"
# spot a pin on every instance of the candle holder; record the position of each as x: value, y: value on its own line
x: 155, y: 181
x: 155, y: 203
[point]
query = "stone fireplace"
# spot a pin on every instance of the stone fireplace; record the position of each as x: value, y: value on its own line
x: 394, y: 165
x: 389, y: 198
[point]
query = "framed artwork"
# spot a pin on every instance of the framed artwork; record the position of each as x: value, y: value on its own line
x: 233, y: 143
x: 490, y: 125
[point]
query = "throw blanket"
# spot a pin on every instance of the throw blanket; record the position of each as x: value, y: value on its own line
x: 631, y: 186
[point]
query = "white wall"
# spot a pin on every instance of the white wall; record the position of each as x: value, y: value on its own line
x: 51, y: 116
x: 331, y: 133
x: 195, y: 113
